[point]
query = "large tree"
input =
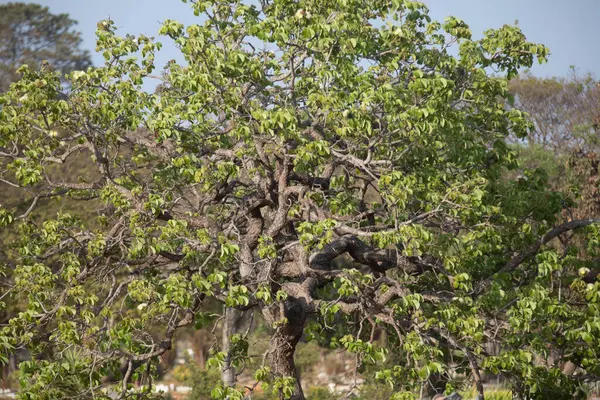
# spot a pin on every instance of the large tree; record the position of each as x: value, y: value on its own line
x: 564, y: 141
x: 565, y: 110
x: 31, y: 34
x: 329, y: 164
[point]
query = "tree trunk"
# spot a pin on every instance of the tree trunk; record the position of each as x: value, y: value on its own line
x: 201, y: 343
x: 7, y: 371
x: 230, y: 327
x: 283, y: 344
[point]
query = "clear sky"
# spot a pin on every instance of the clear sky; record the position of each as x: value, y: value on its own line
x: 571, y: 29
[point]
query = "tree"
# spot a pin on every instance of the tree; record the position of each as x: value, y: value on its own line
x: 30, y: 34
x: 566, y: 116
x: 329, y: 164
x: 564, y: 142
x: 562, y: 109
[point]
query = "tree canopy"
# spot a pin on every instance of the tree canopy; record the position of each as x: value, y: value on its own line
x: 334, y: 166
x: 566, y: 114
x: 565, y: 111
x: 30, y: 34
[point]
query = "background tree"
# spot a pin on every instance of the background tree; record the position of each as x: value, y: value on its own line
x: 340, y: 175
x: 563, y: 110
x: 30, y: 34
x: 564, y: 141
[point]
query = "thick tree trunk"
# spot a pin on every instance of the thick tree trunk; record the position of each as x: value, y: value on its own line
x: 230, y: 327
x: 7, y: 370
x: 283, y: 344
x: 201, y: 347
x: 282, y: 362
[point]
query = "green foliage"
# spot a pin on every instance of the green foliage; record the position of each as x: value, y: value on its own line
x: 320, y: 393
x: 307, y: 356
x: 202, y: 381
x: 535, y: 156
x: 375, y: 392
x: 327, y: 164
x: 492, y: 394
x: 30, y: 34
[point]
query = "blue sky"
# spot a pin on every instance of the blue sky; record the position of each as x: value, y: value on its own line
x: 571, y: 29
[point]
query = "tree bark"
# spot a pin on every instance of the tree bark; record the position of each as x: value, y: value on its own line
x: 231, y: 323
x: 283, y: 344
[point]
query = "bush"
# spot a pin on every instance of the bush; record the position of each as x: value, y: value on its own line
x: 490, y: 394
x: 320, y: 393
x: 202, y: 381
x: 307, y: 356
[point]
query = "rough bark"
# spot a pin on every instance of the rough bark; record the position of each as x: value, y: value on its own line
x: 231, y: 323
x: 289, y: 320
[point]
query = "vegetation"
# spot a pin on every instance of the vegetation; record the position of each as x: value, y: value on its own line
x: 30, y: 34
x: 494, y: 394
x: 328, y: 168
x: 566, y: 115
